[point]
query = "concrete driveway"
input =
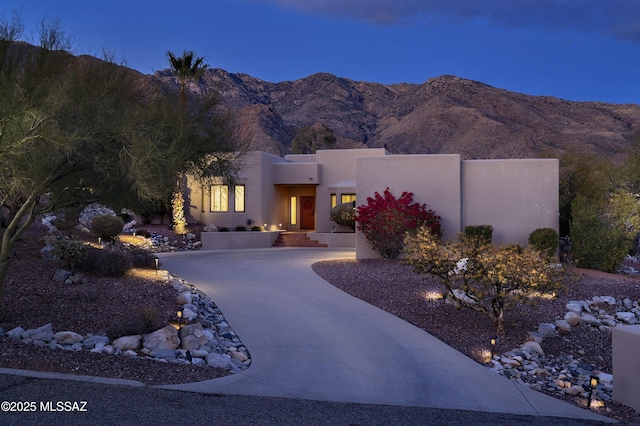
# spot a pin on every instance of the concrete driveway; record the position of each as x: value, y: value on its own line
x: 309, y: 340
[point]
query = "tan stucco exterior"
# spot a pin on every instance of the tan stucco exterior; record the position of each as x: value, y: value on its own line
x: 514, y: 196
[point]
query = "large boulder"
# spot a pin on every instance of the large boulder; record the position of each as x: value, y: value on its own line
x: 163, y: 339
x: 344, y: 214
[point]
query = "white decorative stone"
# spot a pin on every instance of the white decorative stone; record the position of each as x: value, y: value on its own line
x: 43, y: 334
x: 532, y: 346
x: 125, y: 343
x: 563, y: 326
x: 165, y: 338
x: 572, y: 318
x: 67, y: 337
x: 188, y: 314
x: 574, y: 307
x: 591, y: 320
x: 609, y: 300
x: 627, y: 317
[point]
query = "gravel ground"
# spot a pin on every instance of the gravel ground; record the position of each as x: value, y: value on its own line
x: 113, y: 306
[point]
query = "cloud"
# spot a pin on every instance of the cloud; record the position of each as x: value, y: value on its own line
x: 617, y: 18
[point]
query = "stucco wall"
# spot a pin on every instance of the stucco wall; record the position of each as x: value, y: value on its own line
x: 514, y: 196
x: 434, y: 180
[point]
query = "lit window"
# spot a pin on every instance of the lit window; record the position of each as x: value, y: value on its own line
x: 293, y: 210
x: 239, y: 198
x: 334, y: 200
x: 346, y: 198
x: 219, y: 198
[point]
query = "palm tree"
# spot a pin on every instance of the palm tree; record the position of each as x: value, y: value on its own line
x: 187, y: 67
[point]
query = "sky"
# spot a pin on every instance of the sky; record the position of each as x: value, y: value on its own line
x: 579, y: 50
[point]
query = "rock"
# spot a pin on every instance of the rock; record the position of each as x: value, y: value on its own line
x: 609, y: 322
x: 605, y: 378
x: 183, y: 298
x: 43, y: 334
x: 598, y: 301
x: 563, y: 326
x: 191, y: 329
x: 627, y: 317
x: 572, y: 318
x: 130, y: 353
x: 61, y: 275
x: 574, y: 390
x: 188, y: 314
x: 547, y: 330
x: 16, y: 333
x: 532, y: 346
x: 94, y: 341
x: 68, y: 337
x: 165, y: 338
x: 609, y: 300
x: 190, y: 343
x: 628, y: 304
x: 576, y: 307
x: 164, y: 354
x: 125, y: 343
x: 219, y: 361
x: 199, y: 362
x: 591, y: 320
x: 240, y: 356
x: 46, y: 252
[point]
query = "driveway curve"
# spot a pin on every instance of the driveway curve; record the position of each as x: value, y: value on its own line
x: 309, y: 340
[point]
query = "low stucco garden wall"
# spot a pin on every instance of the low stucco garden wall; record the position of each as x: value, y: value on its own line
x: 237, y: 240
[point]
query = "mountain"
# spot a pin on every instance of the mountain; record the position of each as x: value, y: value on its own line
x: 446, y: 114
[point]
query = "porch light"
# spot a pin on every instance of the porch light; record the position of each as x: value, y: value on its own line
x: 265, y: 227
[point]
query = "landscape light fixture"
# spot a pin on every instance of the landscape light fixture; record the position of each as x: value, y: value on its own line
x: 100, y: 241
x: 593, y: 383
x: 179, y: 315
x: 157, y: 264
x: 265, y: 226
x: 493, y: 342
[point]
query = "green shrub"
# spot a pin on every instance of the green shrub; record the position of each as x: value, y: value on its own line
x: 597, y: 241
x: 142, y: 258
x: 63, y: 224
x: 545, y: 240
x: 257, y: 228
x: 241, y: 228
x: 106, y: 226
x: 223, y: 229
x: 112, y: 262
x: 143, y: 233
x: 71, y: 251
x: 478, y: 235
x: 344, y: 214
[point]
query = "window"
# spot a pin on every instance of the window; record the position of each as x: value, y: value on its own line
x: 293, y: 210
x: 239, y: 198
x: 219, y: 198
x: 345, y: 198
x: 334, y: 200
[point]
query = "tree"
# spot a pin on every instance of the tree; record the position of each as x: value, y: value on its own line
x: 484, y: 278
x: 385, y: 220
x: 310, y: 139
x: 187, y: 67
x: 80, y: 130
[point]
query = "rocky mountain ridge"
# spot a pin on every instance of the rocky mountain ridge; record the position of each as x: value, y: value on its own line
x: 445, y: 114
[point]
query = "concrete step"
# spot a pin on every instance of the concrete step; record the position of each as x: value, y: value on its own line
x: 296, y: 239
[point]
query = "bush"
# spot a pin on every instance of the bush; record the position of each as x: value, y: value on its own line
x: 71, y: 251
x: 597, y: 240
x: 344, y: 214
x: 257, y: 228
x: 385, y: 220
x: 545, y: 240
x: 112, y: 262
x: 143, y: 233
x: 478, y: 235
x: 106, y: 226
x: 486, y: 279
x: 142, y: 258
x: 223, y: 229
x: 241, y: 228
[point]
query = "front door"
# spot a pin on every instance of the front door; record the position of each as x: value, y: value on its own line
x: 307, y: 213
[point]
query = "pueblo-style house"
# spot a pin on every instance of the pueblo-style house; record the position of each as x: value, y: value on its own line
x: 296, y: 194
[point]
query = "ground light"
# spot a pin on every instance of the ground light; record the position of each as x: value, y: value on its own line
x: 593, y: 383
x: 179, y: 315
x: 493, y: 342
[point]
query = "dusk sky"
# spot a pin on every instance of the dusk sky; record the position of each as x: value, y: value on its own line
x: 581, y: 50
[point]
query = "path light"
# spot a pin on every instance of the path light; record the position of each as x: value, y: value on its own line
x: 593, y: 383
x: 493, y: 342
x: 157, y: 264
x: 179, y: 315
x: 265, y: 227
x: 100, y: 241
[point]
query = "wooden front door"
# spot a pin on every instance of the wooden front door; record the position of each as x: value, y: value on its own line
x: 307, y: 212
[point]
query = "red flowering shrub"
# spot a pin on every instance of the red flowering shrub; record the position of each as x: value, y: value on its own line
x: 385, y: 220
